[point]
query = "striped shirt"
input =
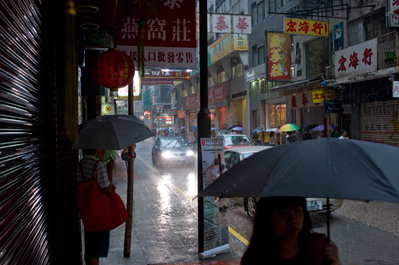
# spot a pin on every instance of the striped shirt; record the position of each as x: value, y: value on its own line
x: 101, y: 173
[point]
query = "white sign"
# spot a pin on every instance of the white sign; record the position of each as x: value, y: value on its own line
x: 357, y: 59
x: 235, y: 24
x: 221, y: 23
x: 395, y: 89
x: 393, y: 13
x: 124, y: 91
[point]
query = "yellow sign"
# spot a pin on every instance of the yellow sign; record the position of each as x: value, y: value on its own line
x: 306, y: 27
x: 320, y: 95
x: 225, y: 45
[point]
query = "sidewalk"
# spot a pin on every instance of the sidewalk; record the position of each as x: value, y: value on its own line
x: 155, y: 241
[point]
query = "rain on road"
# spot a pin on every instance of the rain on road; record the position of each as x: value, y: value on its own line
x: 169, y: 192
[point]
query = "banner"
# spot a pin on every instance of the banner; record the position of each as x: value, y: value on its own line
x: 234, y: 24
x: 306, y: 27
x: 169, y: 37
x: 339, y: 36
x: 213, y: 157
x: 181, y: 114
x: 319, y: 96
x: 279, y: 56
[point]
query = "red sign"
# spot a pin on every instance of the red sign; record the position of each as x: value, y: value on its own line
x: 192, y: 101
x: 279, y: 56
x: 169, y: 37
x: 217, y: 93
x: 181, y: 114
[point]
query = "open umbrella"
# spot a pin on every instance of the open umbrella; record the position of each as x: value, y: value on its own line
x: 256, y: 130
x: 355, y: 170
x: 112, y: 132
x: 321, y: 128
x: 231, y: 127
x: 183, y: 127
x: 237, y: 129
x: 194, y: 127
x: 272, y: 130
x: 214, y: 129
x: 289, y: 127
x: 309, y: 127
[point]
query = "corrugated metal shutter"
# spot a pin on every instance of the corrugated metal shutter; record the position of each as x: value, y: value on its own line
x: 379, y: 122
x: 27, y: 136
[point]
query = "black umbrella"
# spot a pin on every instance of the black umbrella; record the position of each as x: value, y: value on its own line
x: 320, y: 168
x: 309, y: 127
x: 112, y: 132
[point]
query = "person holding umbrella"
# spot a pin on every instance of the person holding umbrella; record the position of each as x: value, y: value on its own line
x: 282, y: 235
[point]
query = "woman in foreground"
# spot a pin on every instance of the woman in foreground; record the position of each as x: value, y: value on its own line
x: 282, y: 235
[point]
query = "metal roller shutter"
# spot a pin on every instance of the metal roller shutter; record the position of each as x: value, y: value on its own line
x: 27, y: 138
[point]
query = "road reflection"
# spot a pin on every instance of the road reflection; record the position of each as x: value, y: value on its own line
x: 192, y: 184
x: 164, y: 193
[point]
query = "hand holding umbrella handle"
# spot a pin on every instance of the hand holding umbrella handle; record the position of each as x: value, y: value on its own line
x: 331, y: 253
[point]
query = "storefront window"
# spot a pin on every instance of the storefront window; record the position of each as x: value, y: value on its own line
x: 212, y: 111
x: 237, y: 70
x: 262, y: 87
x: 277, y: 115
x: 223, y: 116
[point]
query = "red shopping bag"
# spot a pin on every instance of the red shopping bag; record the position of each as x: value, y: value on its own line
x: 99, y: 212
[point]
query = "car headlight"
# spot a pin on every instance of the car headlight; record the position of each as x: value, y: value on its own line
x: 190, y: 153
x: 166, y: 154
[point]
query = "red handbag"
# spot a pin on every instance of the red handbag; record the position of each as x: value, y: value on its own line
x: 99, y: 212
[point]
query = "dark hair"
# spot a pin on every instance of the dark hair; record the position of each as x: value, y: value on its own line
x: 271, y: 134
x: 263, y: 243
x: 343, y: 131
x: 89, y: 151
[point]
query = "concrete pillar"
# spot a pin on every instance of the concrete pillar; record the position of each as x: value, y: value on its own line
x: 227, y: 67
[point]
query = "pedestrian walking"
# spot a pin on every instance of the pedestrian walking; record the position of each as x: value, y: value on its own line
x: 282, y: 235
x: 307, y: 135
x: 272, y: 139
x: 344, y: 135
x: 335, y: 133
x: 126, y: 157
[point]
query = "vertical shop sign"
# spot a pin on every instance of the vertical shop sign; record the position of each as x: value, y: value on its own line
x: 159, y: 109
x: 279, y: 56
x: 298, y: 57
x: 212, y: 154
x: 169, y: 37
x: 395, y: 89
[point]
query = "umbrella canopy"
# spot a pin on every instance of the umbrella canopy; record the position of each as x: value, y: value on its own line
x: 195, y: 127
x: 256, y: 130
x: 183, y: 127
x: 237, y: 129
x: 214, y: 129
x: 112, y: 132
x: 289, y: 127
x: 345, y: 169
x: 272, y: 130
x: 321, y: 128
x: 309, y: 127
x: 231, y: 127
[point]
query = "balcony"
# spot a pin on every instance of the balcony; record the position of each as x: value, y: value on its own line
x: 388, y: 50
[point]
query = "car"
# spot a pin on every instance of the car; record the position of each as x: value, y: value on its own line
x: 234, y: 155
x: 235, y: 140
x: 169, y: 150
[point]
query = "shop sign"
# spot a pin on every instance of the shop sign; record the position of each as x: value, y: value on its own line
x: 319, y: 96
x: 192, y: 101
x: 146, y: 114
x: 166, y: 119
x: 124, y: 91
x: 217, y: 93
x: 169, y: 37
x: 236, y: 24
x: 395, y: 89
x: 333, y: 106
x: 279, y: 56
x: 357, y: 59
x: 159, y: 109
x: 181, y: 114
x: 163, y: 77
x: 227, y: 44
x: 392, y: 14
x: 302, y: 100
x: 255, y: 73
x: 306, y: 27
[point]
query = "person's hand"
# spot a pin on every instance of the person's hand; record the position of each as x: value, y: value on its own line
x: 111, y: 164
x: 101, y: 155
x: 134, y: 147
x: 331, y: 253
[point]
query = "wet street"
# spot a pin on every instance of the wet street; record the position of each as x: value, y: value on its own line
x: 164, y: 201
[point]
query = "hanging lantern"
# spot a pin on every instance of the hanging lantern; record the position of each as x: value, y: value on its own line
x: 113, y: 69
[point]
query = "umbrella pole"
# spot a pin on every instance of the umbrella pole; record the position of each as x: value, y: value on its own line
x: 130, y: 187
x: 328, y: 219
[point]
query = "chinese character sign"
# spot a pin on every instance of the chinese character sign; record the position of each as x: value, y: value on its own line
x: 393, y: 13
x: 306, y: 27
x: 169, y: 37
x: 221, y: 23
x: 356, y: 59
x: 395, y: 89
x: 319, y: 96
x: 235, y: 24
x: 124, y: 91
x: 242, y: 24
x: 279, y: 56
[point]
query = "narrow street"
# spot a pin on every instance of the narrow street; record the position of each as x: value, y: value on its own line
x: 165, y: 219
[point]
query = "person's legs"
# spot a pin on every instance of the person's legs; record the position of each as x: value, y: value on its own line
x: 96, y: 247
x: 92, y: 261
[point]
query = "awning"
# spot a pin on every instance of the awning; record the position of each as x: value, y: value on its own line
x: 297, y: 85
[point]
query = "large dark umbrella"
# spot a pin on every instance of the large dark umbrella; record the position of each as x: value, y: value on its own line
x: 321, y: 168
x: 309, y: 127
x: 112, y: 132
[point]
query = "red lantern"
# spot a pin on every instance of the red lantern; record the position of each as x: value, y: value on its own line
x: 113, y: 69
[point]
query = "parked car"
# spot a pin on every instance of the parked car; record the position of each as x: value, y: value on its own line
x: 235, y: 155
x: 235, y: 140
x: 171, y: 150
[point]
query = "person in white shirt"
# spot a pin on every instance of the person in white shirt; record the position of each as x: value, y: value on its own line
x: 344, y: 135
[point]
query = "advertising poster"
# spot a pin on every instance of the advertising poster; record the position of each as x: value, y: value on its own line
x: 339, y: 36
x: 298, y: 58
x: 279, y: 56
x: 214, y: 211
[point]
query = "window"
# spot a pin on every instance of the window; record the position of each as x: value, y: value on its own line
x: 266, y: 14
x: 210, y: 9
x: 237, y: 70
x: 277, y: 115
x: 222, y: 8
x: 254, y: 15
x: 261, y: 55
x: 210, y: 82
x: 375, y: 25
x: 221, y: 75
x: 262, y: 88
x: 260, y: 12
x: 278, y: 4
x: 272, y: 4
x: 254, y: 56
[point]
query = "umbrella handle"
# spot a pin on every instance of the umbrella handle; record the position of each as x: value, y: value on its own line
x: 328, y: 219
